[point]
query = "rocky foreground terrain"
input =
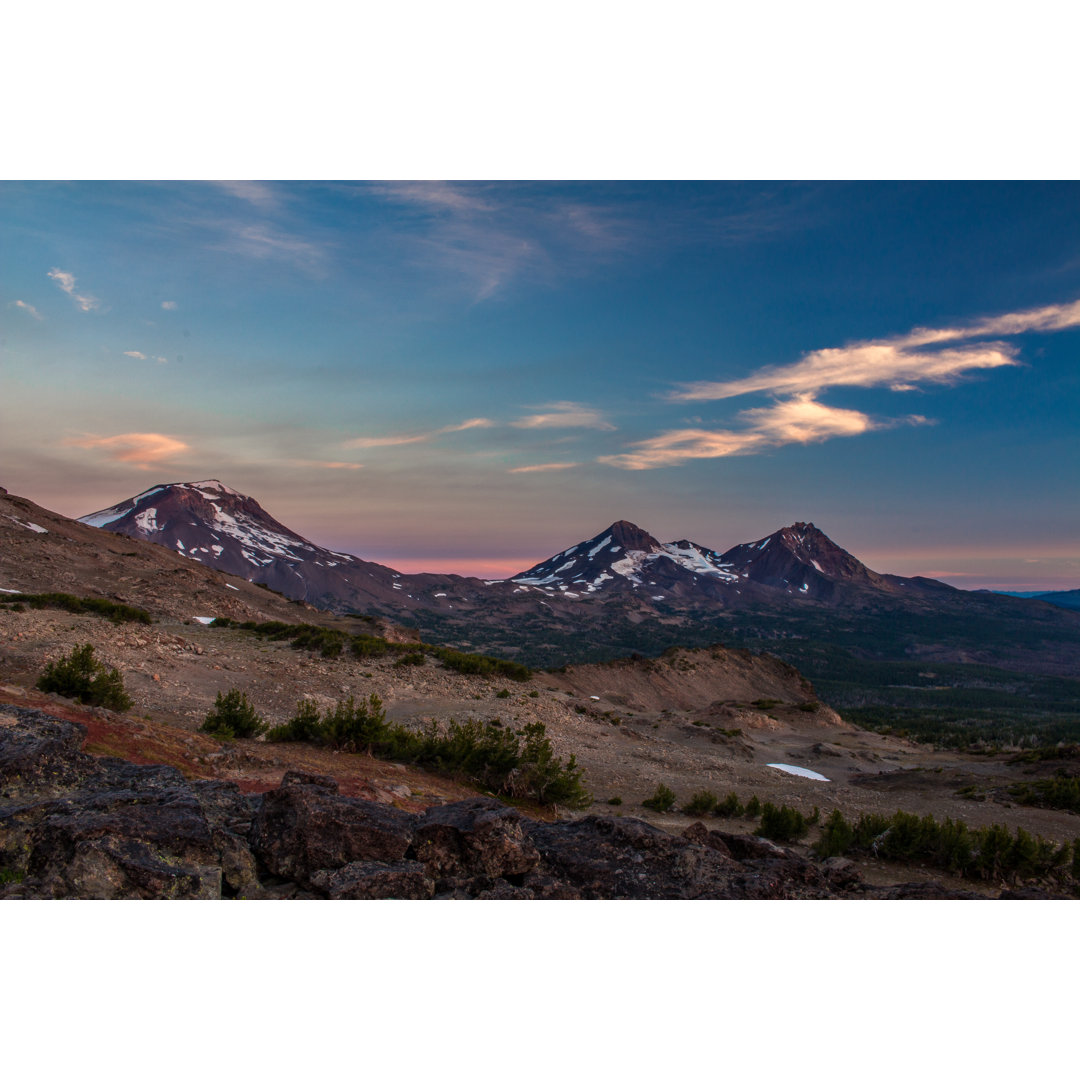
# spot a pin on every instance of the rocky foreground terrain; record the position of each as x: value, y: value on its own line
x: 99, y: 803
x: 77, y: 826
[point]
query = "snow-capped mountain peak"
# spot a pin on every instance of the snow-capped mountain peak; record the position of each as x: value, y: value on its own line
x: 622, y: 555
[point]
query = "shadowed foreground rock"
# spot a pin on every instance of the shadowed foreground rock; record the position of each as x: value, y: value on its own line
x: 76, y: 826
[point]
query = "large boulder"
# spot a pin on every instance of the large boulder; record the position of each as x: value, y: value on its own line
x: 38, y: 751
x: 623, y: 858
x: 475, y: 837
x: 302, y: 828
x: 404, y: 880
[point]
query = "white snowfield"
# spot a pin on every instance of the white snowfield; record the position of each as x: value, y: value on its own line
x: 206, y: 620
x: 632, y: 565
x: 798, y: 770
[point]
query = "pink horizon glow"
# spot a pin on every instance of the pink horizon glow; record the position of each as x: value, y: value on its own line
x: 478, y: 568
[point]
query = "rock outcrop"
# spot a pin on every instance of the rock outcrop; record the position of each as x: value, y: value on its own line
x: 76, y: 826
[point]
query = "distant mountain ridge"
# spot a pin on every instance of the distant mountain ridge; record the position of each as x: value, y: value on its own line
x: 623, y: 591
x: 218, y: 526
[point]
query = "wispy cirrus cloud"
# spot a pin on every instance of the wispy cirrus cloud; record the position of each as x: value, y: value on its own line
x: 139, y: 448
x: 565, y: 414
x: 260, y: 194
x: 801, y: 419
x: 66, y: 282
x: 168, y: 305
x: 551, y: 466
x: 136, y: 355
x: 485, y: 237
x: 370, y: 442
x: 900, y: 363
x: 262, y: 241
x: 30, y: 310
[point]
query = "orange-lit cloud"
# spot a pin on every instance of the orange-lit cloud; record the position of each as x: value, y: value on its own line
x: 900, y: 362
x: 549, y: 467
x: 801, y: 419
x: 139, y: 448
x: 366, y: 442
x: 565, y: 414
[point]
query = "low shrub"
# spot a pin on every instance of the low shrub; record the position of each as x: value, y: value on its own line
x: 781, y: 823
x: 233, y: 717
x: 87, y: 605
x: 661, y: 800
x: 700, y: 804
x: 520, y: 764
x: 78, y: 675
x: 991, y: 853
x: 729, y: 806
x: 753, y: 808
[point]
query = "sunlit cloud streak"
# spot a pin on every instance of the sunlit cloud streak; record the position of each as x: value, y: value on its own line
x: 168, y: 305
x: 66, y: 282
x: 366, y: 442
x: 552, y: 466
x: 900, y: 363
x: 565, y: 414
x: 801, y: 419
x: 139, y: 448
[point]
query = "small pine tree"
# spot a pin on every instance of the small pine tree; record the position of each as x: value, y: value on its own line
x: 661, y: 800
x: 730, y: 806
x: 700, y: 804
x: 753, y: 807
x: 836, y: 836
x: 233, y: 717
x: 78, y: 675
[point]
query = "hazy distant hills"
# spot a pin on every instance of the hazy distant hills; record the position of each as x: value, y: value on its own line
x: 1069, y: 598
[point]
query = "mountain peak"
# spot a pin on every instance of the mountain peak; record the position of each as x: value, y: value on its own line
x: 799, y: 557
x: 632, y: 537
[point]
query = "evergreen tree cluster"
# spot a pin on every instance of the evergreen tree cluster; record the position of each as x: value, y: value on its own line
x: 990, y: 853
x: 514, y: 763
x: 81, y: 677
x: 330, y: 643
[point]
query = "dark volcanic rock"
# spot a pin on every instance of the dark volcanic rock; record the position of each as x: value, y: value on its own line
x: 476, y: 836
x: 304, y: 828
x: 698, y: 834
x: 72, y: 825
x: 918, y: 890
x: 628, y: 859
x: 404, y: 880
x: 40, y: 753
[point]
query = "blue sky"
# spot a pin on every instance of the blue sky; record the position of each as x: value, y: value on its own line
x: 471, y: 376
